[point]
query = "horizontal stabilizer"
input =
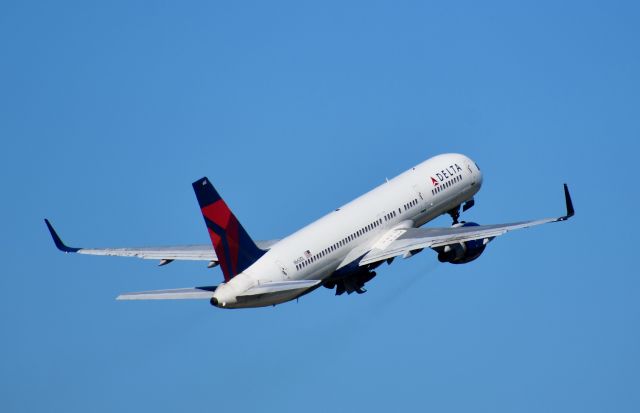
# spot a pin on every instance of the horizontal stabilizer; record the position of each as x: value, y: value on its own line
x: 194, y: 293
x: 281, y: 286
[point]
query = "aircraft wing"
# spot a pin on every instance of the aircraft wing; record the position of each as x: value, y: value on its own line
x: 401, y: 241
x: 207, y: 292
x: 202, y: 252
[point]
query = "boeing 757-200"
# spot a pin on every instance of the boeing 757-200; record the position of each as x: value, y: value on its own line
x: 338, y: 251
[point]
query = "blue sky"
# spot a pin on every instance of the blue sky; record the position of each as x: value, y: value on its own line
x: 110, y: 110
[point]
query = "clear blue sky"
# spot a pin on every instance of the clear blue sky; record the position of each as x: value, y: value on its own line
x: 108, y: 112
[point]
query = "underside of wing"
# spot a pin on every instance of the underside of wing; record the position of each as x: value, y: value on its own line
x: 272, y: 293
x: 408, y: 240
x: 281, y: 286
x: 194, y: 293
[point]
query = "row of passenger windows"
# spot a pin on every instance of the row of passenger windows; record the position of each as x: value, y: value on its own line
x: 410, y: 205
x: 447, y: 184
x: 339, y: 244
x: 392, y: 214
x: 346, y: 240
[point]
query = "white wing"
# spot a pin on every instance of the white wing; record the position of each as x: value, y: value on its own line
x: 400, y: 241
x: 175, y: 294
x: 167, y: 254
x: 207, y: 292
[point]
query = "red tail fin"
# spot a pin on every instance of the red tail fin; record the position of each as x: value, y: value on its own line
x: 235, y: 249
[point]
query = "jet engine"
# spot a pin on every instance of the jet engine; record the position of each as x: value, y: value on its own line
x: 462, y: 252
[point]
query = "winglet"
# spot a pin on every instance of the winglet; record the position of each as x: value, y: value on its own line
x: 567, y: 198
x: 56, y: 239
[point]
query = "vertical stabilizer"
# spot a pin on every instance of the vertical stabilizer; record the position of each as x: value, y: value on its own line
x: 235, y: 249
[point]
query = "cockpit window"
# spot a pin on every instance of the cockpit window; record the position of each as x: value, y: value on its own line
x: 477, y: 166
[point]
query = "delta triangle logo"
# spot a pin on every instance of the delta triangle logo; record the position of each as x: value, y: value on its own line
x: 434, y: 182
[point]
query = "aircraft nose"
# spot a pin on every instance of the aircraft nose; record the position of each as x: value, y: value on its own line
x: 475, y: 170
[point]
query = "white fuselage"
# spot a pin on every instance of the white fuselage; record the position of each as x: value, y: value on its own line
x: 341, y: 237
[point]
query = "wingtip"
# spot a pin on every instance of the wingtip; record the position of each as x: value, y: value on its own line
x: 569, y: 203
x: 57, y: 240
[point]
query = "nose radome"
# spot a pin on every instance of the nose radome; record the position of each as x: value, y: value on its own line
x: 474, y: 169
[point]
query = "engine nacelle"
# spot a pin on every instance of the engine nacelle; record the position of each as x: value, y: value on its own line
x: 462, y: 252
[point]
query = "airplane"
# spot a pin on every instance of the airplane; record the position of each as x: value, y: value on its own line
x: 338, y: 251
